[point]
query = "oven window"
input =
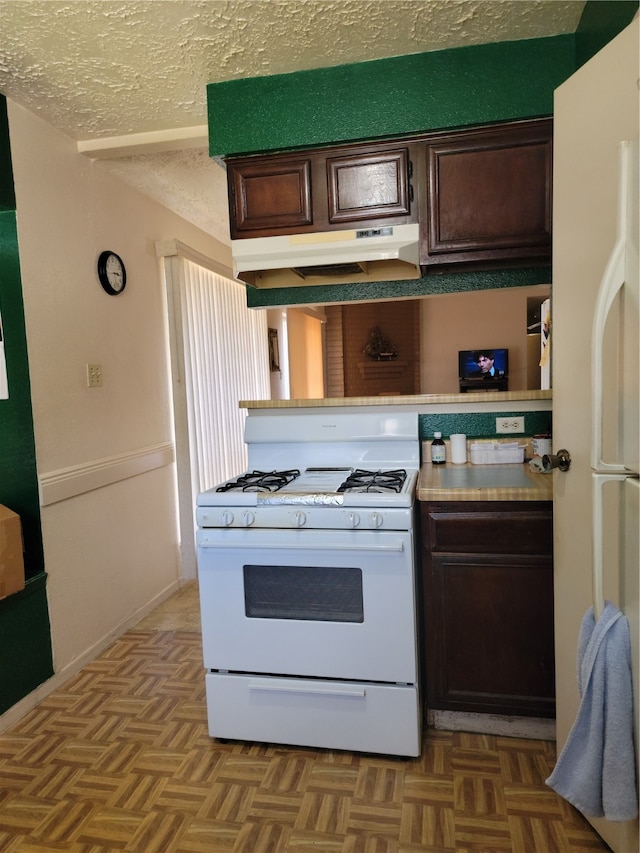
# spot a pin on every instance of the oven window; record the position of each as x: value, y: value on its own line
x: 319, y: 594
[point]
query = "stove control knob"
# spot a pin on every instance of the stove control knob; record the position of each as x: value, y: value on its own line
x: 227, y: 518
x: 375, y: 519
x: 353, y: 519
x: 299, y: 519
x: 248, y: 518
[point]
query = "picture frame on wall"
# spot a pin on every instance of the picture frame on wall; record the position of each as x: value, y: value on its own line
x: 274, y: 353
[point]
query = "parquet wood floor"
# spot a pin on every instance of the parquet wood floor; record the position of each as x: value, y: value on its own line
x: 119, y: 759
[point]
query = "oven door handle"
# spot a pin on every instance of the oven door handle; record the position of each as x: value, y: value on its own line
x: 350, y: 692
x: 396, y: 547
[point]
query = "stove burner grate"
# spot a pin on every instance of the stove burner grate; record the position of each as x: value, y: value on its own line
x: 374, y: 481
x: 260, y: 481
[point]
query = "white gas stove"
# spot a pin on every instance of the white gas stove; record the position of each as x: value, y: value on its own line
x: 307, y: 585
x: 314, y: 498
x: 323, y: 472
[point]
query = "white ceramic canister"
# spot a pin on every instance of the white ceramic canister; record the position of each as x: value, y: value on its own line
x: 458, y: 448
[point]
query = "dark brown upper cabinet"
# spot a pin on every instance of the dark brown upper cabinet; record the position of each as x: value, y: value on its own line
x: 483, y: 195
x: 487, y: 199
x: 368, y: 186
x: 269, y: 194
x: 321, y: 190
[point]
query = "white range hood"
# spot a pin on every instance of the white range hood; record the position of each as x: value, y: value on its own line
x: 388, y: 253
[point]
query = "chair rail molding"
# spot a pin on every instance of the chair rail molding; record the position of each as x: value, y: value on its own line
x: 77, y: 479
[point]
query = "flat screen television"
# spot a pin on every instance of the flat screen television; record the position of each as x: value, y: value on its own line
x: 483, y: 365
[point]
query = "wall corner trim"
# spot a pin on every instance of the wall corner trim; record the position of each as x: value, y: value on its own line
x: 151, y: 142
x: 69, y: 482
x: 174, y: 248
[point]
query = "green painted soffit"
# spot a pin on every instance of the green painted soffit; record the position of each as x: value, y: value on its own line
x: 389, y: 97
x: 601, y: 21
x: 431, y: 285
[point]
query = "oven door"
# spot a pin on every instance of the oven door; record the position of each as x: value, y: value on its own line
x: 315, y: 603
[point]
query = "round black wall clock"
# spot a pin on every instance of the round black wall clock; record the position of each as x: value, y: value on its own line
x: 112, y: 273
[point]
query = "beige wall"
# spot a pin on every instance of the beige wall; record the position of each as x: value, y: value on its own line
x: 485, y: 318
x: 306, y: 369
x: 447, y: 323
x: 112, y: 551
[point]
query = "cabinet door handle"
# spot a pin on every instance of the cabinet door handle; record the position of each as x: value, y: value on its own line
x: 411, y: 193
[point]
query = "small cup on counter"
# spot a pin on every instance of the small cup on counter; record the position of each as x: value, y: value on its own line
x: 458, y: 442
x: 541, y: 445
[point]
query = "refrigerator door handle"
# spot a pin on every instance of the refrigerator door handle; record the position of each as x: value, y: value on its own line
x: 598, y: 482
x: 613, y: 281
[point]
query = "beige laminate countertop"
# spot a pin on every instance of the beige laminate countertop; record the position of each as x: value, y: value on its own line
x: 398, y: 400
x: 432, y: 484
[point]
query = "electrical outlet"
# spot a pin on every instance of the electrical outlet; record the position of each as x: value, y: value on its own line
x: 509, y: 424
x: 94, y: 376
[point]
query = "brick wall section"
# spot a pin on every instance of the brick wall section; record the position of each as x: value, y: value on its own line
x: 399, y: 322
x: 335, y: 359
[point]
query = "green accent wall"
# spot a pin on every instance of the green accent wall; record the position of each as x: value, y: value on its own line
x: 400, y: 96
x: 25, y: 633
x: 25, y: 642
x: 18, y: 478
x: 7, y: 194
x: 480, y: 424
x: 18, y: 473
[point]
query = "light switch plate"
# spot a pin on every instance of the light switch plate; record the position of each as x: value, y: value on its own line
x: 94, y: 376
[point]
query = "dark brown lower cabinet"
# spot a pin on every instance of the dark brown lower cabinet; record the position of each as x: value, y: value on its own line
x: 487, y: 584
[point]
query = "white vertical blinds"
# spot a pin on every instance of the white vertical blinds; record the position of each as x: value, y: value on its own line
x: 225, y: 360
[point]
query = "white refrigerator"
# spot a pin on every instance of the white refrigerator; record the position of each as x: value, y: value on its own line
x: 595, y: 369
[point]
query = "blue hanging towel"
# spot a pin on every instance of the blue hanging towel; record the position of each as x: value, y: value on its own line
x: 596, y: 770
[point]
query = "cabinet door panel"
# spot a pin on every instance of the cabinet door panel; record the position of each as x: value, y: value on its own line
x: 489, y: 195
x: 490, y: 635
x: 487, y: 586
x: 362, y: 186
x: 490, y: 178
x: 270, y: 195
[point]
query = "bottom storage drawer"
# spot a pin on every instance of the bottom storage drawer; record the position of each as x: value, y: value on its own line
x: 357, y: 716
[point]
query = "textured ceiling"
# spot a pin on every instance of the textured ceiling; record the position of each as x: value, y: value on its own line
x: 105, y: 68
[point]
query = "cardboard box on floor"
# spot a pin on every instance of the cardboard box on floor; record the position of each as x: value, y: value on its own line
x: 11, y: 558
